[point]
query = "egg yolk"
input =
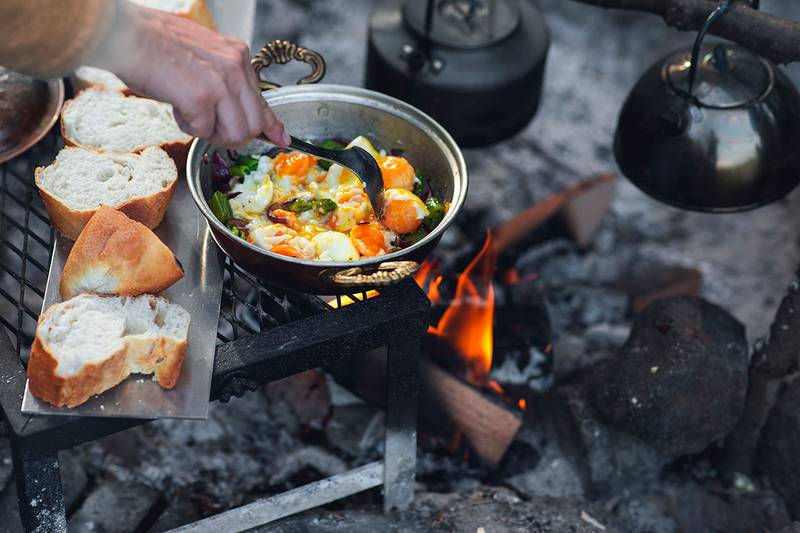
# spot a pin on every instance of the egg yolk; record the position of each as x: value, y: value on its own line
x: 403, y: 211
x: 296, y: 164
x: 368, y: 239
x: 397, y: 173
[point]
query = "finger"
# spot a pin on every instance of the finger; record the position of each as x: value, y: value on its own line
x: 232, y: 130
x: 253, y: 106
x: 194, y: 110
x: 274, y: 128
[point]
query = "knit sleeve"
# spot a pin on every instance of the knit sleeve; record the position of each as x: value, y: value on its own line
x: 49, y: 38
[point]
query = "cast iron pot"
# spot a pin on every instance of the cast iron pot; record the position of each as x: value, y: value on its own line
x: 318, y: 112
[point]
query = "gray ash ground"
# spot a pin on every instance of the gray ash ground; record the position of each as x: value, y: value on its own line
x: 252, y: 447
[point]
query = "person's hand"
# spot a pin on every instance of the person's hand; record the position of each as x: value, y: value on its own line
x: 205, y: 75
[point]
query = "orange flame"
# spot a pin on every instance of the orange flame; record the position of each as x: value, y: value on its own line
x: 467, y: 323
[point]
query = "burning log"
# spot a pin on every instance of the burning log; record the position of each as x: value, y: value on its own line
x: 486, y: 423
x: 581, y: 207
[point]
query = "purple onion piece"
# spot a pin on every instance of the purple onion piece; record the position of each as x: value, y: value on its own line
x: 221, y: 170
x: 238, y: 222
x: 205, y: 158
x: 397, y: 152
x: 271, y: 213
x: 233, y: 194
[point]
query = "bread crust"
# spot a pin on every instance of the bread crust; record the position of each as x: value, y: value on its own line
x: 177, y: 150
x: 71, y: 391
x: 199, y: 12
x: 162, y: 356
x: 129, y: 255
x: 149, y: 210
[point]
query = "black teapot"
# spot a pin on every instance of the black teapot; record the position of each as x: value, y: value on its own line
x: 715, y: 128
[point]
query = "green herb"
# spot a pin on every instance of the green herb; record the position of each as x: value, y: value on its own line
x: 238, y: 232
x: 244, y: 165
x: 329, y: 144
x: 415, y: 237
x: 435, y: 213
x: 323, y: 206
x: 420, y: 186
x: 220, y: 206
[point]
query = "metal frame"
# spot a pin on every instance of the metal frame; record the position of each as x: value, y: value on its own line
x: 265, y: 334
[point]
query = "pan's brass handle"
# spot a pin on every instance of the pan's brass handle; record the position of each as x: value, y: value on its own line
x: 387, y: 273
x: 281, y: 51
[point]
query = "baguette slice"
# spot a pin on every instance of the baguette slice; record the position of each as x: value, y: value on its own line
x: 79, y: 181
x: 91, y: 343
x: 118, y: 256
x: 109, y: 121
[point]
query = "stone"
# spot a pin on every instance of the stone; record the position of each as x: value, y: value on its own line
x: 777, y: 450
x: 9, y: 510
x: 679, y: 382
x: 115, y: 507
x: 179, y: 512
x: 6, y: 464
x: 608, y: 460
x: 356, y: 429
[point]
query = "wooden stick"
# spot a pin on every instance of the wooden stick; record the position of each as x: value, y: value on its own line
x: 448, y: 405
x: 773, y: 37
x: 527, y: 221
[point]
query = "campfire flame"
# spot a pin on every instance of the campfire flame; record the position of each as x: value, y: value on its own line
x: 467, y: 323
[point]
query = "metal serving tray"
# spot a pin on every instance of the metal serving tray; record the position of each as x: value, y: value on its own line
x: 199, y: 292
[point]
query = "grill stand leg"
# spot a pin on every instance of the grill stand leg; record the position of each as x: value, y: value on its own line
x: 400, y: 455
x: 41, y: 500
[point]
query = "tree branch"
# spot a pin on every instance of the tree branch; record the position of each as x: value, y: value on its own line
x: 773, y: 359
x: 773, y: 37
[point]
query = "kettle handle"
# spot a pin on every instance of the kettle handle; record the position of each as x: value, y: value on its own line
x: 715, y: 15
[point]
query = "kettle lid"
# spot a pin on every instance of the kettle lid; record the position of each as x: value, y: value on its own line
x: 728, y: 76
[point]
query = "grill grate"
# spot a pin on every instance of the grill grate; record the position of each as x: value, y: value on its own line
x: 26, y: 243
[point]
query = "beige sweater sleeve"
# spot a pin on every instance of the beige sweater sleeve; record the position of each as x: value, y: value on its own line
x: 48, y: 38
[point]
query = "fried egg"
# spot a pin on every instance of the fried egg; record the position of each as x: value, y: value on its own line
x: 255, y: 191
x: 335, y: 246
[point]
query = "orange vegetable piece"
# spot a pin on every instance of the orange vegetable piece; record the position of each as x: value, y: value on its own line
x: 290, y: 217
x: 397, y: 173
x: 285, y: 249
x: 295, y: 164
x: 368, y: 239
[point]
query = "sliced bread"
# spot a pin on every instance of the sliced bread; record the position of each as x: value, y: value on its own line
x: 91, y: 343
x: 119, y: 256
x: 113, y: 122
x: 79, y: 181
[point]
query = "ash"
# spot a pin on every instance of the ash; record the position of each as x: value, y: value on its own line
x: 253, y: 447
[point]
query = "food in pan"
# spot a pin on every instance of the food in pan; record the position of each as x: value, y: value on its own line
x: 117, y: 255
x: 79, y: 181
x: 91, y: 343
x: 112, y: 122
x: 293, y: 204
x: 195, y: 10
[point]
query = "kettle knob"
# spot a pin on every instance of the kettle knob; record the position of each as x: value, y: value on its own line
x: 674, y: 121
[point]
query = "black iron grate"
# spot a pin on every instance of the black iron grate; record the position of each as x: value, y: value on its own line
x: 26, y: 244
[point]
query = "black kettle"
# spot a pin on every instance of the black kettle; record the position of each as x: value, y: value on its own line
x: 714, y: 129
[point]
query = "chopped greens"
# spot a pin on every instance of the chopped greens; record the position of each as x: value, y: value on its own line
x: 435, y: 213
x: 220, y: 206
x: 329, y: 144
x: 323, y: 206
x: 238, y: 232
x: 244, y: 166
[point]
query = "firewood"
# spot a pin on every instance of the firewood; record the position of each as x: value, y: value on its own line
x: 659, y: 284
x: 447, y: 404
x: 582, y: 208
